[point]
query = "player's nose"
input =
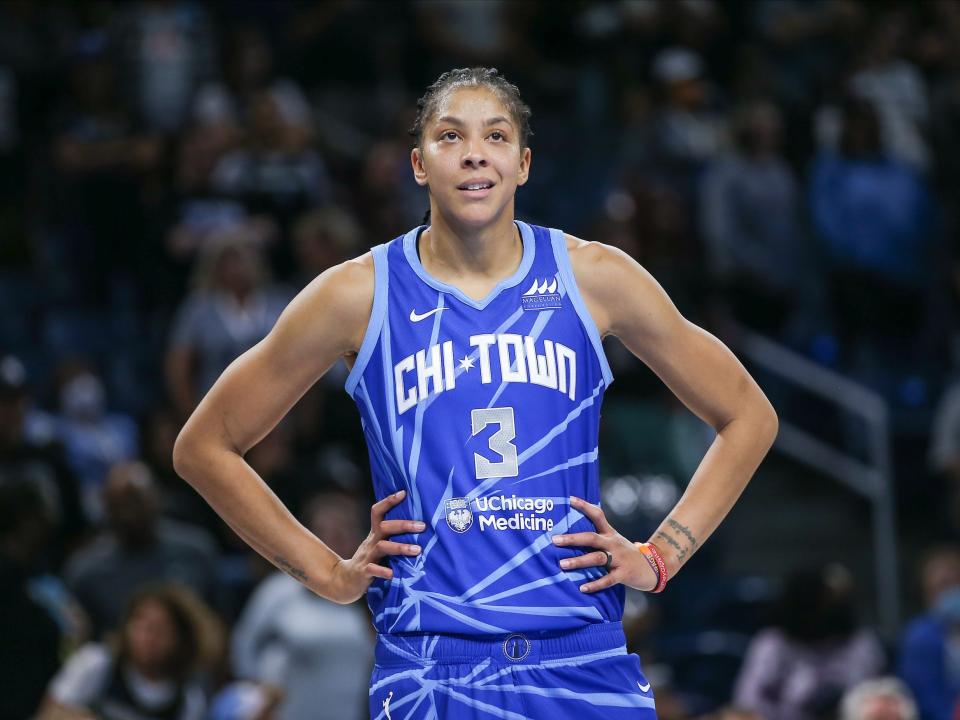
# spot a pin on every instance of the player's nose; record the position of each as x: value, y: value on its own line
x: 473, y: 156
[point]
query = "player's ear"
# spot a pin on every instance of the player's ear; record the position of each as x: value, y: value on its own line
x: 525, y: 160
x: 419, y: 172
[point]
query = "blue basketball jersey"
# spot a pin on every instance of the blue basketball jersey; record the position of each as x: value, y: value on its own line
x: 487, y: 413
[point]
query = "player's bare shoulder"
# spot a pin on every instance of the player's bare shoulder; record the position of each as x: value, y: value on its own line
x: 330, y: 314
x: 354, y: 286
x: 624, y: 299
x: 599, y: 272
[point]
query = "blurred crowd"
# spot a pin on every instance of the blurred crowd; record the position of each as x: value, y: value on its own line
x: 173, y: 172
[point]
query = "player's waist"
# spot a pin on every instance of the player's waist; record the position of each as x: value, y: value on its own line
x: 600, y: 639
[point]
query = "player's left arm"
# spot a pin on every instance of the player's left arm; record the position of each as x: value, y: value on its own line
x: 626, y: 301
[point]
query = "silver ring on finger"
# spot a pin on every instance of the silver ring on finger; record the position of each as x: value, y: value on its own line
x: 609, y: 563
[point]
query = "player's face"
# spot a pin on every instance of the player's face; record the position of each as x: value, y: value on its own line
x: 471, y: 157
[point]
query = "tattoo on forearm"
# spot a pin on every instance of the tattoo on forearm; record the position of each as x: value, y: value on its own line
x: 684, y: 542
x: 670, y: 541
x: 289, y: 568
x: 683, y: 529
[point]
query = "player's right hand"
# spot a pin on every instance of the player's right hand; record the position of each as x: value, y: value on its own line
x: 352, y: 576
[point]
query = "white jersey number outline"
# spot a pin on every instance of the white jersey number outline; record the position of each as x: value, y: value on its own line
x: 499, y: 443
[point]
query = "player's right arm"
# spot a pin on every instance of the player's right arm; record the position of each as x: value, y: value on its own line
x: 324, y: 323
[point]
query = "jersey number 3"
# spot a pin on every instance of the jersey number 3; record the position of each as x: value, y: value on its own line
x: 500, y: 443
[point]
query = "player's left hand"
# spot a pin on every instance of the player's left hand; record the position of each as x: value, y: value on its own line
x: 627, y: 563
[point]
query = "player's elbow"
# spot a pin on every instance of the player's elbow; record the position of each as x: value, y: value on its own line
x: 754, y: 412
x: 189, y: 451
x: 758, y: 414
x: 199, y: 447
x: 184, y: 454
x: 768, y: 424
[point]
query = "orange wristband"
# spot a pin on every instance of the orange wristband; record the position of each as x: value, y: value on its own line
x: 653, y: 556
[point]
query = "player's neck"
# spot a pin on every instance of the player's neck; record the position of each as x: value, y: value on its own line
x: 448, y: 251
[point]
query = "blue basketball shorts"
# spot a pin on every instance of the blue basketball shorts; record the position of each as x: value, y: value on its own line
x: 585, y: 674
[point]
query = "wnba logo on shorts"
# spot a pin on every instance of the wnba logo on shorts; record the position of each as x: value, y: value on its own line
x: 459, y: 516
x: 516, y: 647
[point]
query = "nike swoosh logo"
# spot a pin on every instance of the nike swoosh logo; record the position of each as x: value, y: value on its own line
x: 417, y: 318
x: 643, y: 688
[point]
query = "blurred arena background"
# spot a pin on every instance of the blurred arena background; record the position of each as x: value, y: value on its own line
x: 173, y: 172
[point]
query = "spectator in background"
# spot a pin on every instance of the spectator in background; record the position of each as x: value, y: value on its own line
x: 103, y: 158
x: 167, y: 47
x: 686, y: 130
x: 137, y: 547
x: 38, y: 460
x: 805, y: 42
x: 232, y: 307
x: 304, y: 645
x: 664, y: 153
x: 874, y: 216
x: 31, y: 598
x: 895, y: 88
x: 388, y: 200
x: 480, y: 33
x: 30, y: 650
x: 929, y: 657
x: 274, y: 170
x: 221, y: 124
x: 323, y: 238
x: 750, y: 221
x: 94, y: 439
x: 881, y: 699
x: 799, y: 668
x: 157, y: 667
x: 226, y: 106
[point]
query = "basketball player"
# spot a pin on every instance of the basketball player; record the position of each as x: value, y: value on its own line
x: 478, y: 370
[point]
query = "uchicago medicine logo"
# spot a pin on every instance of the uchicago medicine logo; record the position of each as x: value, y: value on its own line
x: 500, y: 512
x: 459, y: 516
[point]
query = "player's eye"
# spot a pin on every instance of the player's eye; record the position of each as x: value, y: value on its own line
x: 449, y: 135
x: 497, y: 135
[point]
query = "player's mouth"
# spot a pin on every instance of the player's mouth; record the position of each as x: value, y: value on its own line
x: 476, y: 188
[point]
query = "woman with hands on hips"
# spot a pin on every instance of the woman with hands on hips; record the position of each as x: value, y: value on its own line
x: 474, y: 343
